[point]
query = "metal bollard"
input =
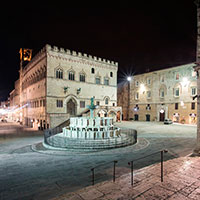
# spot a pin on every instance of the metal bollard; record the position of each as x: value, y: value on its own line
x: 161, y: 165
x: 161, y: 162
x: 114, y: 164
x: 92, y: 176
x: 131, y: 163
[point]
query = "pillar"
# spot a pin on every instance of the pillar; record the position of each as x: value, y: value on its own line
x: 196, y: 150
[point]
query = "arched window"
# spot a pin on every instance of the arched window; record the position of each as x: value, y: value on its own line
x: 92, y: 71
x: 106, y: 81
x: 59, y: 73
x: 106, y: 101
x: 111, y: 74
x: 82, y: 77
x: 71, y: 76
x: 98, y: 80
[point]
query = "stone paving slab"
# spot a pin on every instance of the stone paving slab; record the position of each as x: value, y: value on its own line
x: 181, y: 181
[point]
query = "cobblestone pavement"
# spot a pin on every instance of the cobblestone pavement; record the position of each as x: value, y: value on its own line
x: 27, y: 171
x: 181, y: 181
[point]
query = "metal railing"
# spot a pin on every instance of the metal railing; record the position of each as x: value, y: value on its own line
x: 130, y: 163
x: 53, y: 131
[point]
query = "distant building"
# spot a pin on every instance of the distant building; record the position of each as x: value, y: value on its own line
x: 157, y: 95
x: 5, y: 104
x: 15, y: 102
x: 59, y: 83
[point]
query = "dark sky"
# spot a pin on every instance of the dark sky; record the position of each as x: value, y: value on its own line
x: 144, y: 35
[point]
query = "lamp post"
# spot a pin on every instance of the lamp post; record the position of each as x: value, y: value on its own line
x: 128, y: 104
x: 196, y: 150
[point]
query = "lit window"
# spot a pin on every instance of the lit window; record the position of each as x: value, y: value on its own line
x: 176, y: 92
x: 177, y: 76
x: 82, y: 77
x: 193, y: 91
x: 82, y: 104
x: 40, y: 103
x: 193, y: 105
x: 136, y: 95
x: 176, y: 106
x: 59, y: 103
x: 71, y: 76
x: 162, y: 79
x: 97, y: 80
x: 106, y: 81
x: 148, y: 81
x: 44, y: 103
x: 194, y: 73
x: 148, y: 107
x: 162, y: 93
x: 59, y: 73
x: 136, y: 108
x: 148, y: 94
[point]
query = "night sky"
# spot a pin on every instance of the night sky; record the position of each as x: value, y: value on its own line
x: 146, y: 35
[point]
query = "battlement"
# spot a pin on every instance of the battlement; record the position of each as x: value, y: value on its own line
x: 39, y: 55
x: 78, y: 54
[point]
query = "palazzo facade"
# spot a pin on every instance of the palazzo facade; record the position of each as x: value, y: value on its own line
x: 158, y: 95
x: 59, y: 83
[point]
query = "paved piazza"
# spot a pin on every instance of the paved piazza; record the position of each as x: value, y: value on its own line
x: 28, y: 171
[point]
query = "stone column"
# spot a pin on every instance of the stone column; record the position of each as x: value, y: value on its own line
x: 197, y: 69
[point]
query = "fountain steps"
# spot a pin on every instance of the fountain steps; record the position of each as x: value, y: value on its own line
x: 61, y: 142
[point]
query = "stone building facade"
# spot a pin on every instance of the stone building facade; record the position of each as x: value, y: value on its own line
x: 59, y: 83
x: 122, y: 98
x: 157, y: 95
x: 15, y: 102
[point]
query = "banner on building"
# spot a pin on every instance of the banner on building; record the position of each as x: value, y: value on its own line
x: 25, y: 54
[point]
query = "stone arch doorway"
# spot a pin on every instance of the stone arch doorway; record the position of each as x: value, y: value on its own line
x: 118, y: 116
x: 162, y: 115
x: 136, y: 117
x: 148, y: 117
x: 71, y: 107
x: 102, y: 113
x: 112, y: 114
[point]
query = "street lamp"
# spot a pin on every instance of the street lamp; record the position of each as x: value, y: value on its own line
x: 129, y: 78
x: 185, y: 81
x: 128, y: 105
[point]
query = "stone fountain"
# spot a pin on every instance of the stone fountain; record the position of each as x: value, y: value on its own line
x: 91, y: 133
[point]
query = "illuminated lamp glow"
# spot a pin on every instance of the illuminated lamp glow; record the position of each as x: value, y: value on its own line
x: 142, y: 87
x: 185, y: 81
x: 162, y: 111
x: 176, y: 114
x: 129, y: 78
x: 182, y: 103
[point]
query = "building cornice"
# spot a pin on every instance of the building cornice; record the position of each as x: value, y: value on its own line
x: 64, y: 54
x: 166, y: 69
